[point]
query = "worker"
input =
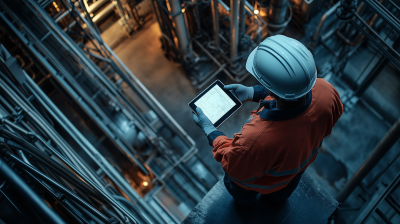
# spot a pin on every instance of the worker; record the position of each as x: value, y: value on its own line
x: 281, y: 138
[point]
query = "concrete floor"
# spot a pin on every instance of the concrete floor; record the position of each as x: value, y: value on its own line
x: 352, y: 139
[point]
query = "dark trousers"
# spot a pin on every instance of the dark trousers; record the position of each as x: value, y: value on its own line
x: 248, y: 197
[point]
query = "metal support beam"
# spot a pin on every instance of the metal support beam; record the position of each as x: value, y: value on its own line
x: 242, y: 18
x: 375, y: 72
x: 215, y: 15
x: 180, y: 26
x: 377, y: 154
x: 234, y: 16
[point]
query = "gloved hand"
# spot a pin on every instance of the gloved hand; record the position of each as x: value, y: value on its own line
x: 243, y: 93
x: 203, y: 122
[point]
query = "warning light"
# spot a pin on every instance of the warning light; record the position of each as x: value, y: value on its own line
x: 256, y: 11
x: 145, y: 183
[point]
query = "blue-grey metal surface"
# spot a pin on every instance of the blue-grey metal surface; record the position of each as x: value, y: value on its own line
x: 309, y: 203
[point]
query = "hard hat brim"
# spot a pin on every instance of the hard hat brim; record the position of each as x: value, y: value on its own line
x: 250, y: 62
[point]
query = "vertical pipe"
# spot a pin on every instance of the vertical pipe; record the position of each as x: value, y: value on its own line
x: 377, y: 154
x: 121, y: 13
x: 234, y: 14
x: 215, y: 15
x: 277, y: 14
x: 242, y: 19
x: 196, y: 15
x: 180, y: 26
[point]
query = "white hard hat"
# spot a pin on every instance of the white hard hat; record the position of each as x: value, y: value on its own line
x: 284, y: 66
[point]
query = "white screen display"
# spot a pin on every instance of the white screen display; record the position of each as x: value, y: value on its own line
x: 215, y: 103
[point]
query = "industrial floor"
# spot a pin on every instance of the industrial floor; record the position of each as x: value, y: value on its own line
x: 352, y: 139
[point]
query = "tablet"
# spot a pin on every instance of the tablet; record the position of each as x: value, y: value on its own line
x: 217, y: 103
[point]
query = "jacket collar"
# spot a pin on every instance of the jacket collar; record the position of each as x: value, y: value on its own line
x: 273, y: 113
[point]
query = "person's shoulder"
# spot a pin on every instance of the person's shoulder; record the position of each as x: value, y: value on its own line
x: 322, y: 83
x: 324, y: 95
x: 324, y: 89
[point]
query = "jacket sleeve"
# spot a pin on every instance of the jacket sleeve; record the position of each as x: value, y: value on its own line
x: 236, y: 160
x: 260, y: 92
x: 334, y: 103
x: 213, y: 135
x: 337, y: 108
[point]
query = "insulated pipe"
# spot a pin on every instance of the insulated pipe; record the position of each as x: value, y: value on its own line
x: 377, y: 154
x: 234, y: 15
x: 277, y: 15
x: 215, y: 15
x: 29, y: 196
x: 180, y: 26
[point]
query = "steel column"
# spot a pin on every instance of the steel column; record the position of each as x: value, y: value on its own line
x: 215, y: 15
x: 180, y: 26
x: 242, y: 18
x: 377, y: 154
x: 234, y: 16
x: 277, y: 14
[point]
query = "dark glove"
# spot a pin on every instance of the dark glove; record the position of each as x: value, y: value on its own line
x: 203, y: 122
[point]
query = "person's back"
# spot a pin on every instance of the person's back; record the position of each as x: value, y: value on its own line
x: 282, y: 137
x: 273, y: 147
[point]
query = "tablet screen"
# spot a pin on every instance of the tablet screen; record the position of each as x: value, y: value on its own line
x: 215, y: 103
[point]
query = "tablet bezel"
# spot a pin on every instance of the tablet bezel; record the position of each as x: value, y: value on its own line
x: 238, y: 103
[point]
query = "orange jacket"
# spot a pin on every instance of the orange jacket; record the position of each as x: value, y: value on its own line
x: 277, y: 144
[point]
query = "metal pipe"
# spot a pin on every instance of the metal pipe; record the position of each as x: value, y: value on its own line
x: 180, y: 26
x: 234, y: 14
x: 196, y: 15
x: 385, y: 14
x: 215, y: 15
x: 156, y: 106
x: 375, y: 72
x: 377, y: 154
x: 242, y: 17
x: 277, y: 14
x: 54, y: 184
x: 93, y: 181
x: 30, y: 197
x: 121, y: 13
x: 323, y: 19
x: 65, y: 204
x: 95, y: 5
x: 103, y: 13
x: 219, y: 64
x: 380, y: 43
